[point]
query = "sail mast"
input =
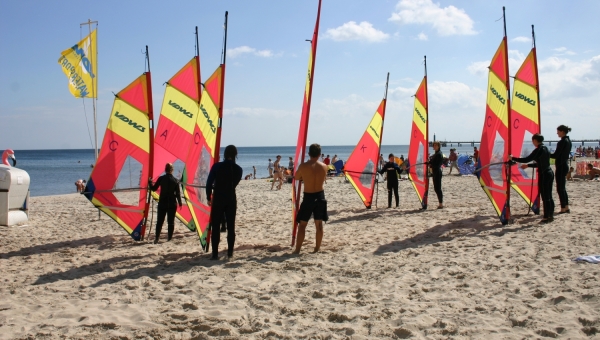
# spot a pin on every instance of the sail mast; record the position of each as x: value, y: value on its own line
x: 93, y: 55
x: 151, y: 145
x: 222, y: 95
x: 426, y: 151
x: 537, y: 80
x: 509, y: 120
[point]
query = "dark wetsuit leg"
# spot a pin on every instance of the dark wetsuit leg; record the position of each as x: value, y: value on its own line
x: 437, y: 185
x: 545, y: 184
x: 160, y: 219
x: 171, y: 221
x: 561, y: 183
x: 217, y: 213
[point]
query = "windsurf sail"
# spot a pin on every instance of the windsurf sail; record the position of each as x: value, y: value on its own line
x: 418, y: 150
x: 118, y: 184
x: 361, y: 167
x: 495, y: 139
x: 525, y: 117
x: 181, y: 105
x: 302, y: 132
x: 203, y: 149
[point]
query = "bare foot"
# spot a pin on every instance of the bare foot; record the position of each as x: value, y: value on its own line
x: 296, y: 252
x: 316, y: 250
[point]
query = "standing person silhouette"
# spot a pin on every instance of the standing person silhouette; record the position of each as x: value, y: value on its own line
x: 393, y: 170
x: 562, y: 155
x: 435, y: 163
x: 170, y: 196
x: 541, y: 156
x: 313, y: 173
x: 224, y: 176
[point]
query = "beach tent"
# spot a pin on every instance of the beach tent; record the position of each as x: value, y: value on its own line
x: 465, y: 163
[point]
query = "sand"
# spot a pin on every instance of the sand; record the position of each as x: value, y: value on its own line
x: 381, y: 273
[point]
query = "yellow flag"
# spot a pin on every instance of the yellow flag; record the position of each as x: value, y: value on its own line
x: 79, y: 65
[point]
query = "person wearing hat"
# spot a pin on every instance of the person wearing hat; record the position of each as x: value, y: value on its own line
x: 453, y: 158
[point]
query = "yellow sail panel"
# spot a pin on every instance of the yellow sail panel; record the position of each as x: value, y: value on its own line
x: 79, y: 65
x: 496, y: 98
x: 375, y: 127
x: 420, y: 117
x: 130, y: 123
x: 179, y: 108
x: 208, y: 118
x: 525, y: 101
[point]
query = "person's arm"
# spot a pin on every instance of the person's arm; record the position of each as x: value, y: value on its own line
x: 238, y: 175
x: 210, y: 181
x: 156, y: 185
x: 178, y: 194
x: 560, y: 146
x: 532, y: 156
x: 298, y: 174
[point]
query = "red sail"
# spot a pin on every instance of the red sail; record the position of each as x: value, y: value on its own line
x: 525, y: 116
x: 493, y: 172
x: 302, y: 133
x: 361, y: 167
x: 118, y: 182
x: 418, y: 150
x: 176, y: 126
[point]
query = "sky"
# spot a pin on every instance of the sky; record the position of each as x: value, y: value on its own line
x: 360, y: 41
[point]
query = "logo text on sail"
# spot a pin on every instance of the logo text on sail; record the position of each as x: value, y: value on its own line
x: 129, y: 121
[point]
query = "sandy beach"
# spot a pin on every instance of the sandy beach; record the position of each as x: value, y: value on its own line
x: 381, y: 273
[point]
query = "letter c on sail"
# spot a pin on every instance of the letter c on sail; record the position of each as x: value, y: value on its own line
x: 489, y: 121
x: 197, y: 138
x: 415, y: 133
x: 113, y: 145
x: 516, y: 123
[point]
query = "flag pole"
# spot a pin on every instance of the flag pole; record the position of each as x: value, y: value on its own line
x: 94, y: 94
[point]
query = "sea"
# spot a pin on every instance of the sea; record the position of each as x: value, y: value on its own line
x: 54, y: 172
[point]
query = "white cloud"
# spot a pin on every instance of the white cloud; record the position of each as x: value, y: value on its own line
x: 521, y: 40
x: 422, y: 36
x: 238, y: 51
x: 353, y: 31
x: 447, y: 21
x: 479, y: 68
x: 564, y: 51
x: 258, y: 112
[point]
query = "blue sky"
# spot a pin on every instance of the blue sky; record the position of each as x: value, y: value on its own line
x: 359, y: 42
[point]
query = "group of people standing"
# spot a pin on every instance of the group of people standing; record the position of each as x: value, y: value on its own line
x: 540, y: 157
x: 226, y: 175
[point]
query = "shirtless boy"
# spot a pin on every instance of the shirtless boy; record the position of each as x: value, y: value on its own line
x: 313, y: 173
x: 592, y: 171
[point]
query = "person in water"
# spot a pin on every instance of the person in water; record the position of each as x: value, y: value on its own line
x: 541, y: 156
x: 393, y: 171
x: 224, y: 176
x: 170, y: 196
x: 313, y: 173
x: 562, y: 155
x: 435, y: 164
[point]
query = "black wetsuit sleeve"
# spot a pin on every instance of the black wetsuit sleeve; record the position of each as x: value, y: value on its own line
x: 534, y: 155
x: 178, y: 192
x: 239, y: 172
x: 436, y: 161
x: 211, y: 180
x: 156, y: 185
x: 563, y: 150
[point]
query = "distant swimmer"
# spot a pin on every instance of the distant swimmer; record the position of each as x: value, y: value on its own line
x: 313, y: 173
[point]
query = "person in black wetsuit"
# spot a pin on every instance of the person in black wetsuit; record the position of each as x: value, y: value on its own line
x: 435, y: 163
x: 170, y: 196
x: 393, y: 170
x: 225, y: 176
x: 562, y: 155
x: 541, y: 156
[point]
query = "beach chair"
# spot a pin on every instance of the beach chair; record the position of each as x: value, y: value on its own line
x: 338, y: 165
